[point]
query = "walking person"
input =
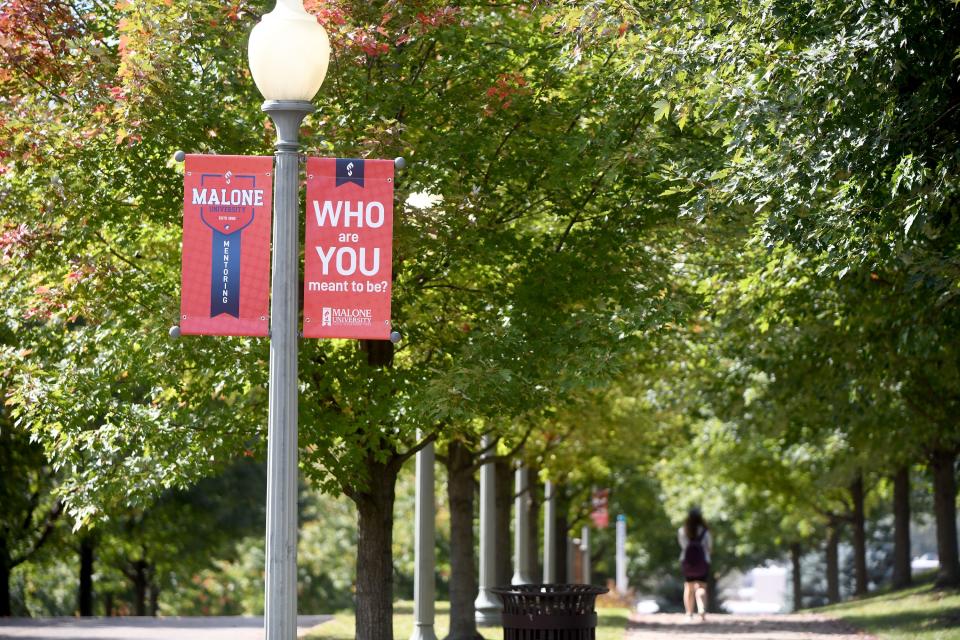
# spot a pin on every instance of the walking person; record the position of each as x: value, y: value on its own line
x: 696, y: 545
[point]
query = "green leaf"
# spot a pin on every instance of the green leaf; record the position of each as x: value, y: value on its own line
x: 909, y: 222
x: 661, y: 110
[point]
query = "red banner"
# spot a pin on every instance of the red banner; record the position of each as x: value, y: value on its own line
x: 349, y: 249
x: 227, y: 202
x: 600, y: 514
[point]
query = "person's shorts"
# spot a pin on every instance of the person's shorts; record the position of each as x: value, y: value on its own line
x: 704, y: 578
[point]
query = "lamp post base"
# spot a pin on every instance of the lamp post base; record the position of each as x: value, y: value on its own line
x: 519, y: 578
x: 488, y: 609
x: 423, y: 632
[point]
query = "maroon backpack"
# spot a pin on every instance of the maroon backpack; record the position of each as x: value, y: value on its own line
x: 694, y: 563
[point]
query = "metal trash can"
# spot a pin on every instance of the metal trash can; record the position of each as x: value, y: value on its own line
x: 549, y: 611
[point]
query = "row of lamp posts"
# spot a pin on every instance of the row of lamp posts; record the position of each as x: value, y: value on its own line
x: 487, y: 604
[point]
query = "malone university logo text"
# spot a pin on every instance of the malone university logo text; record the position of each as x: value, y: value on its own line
x: 334, y: 317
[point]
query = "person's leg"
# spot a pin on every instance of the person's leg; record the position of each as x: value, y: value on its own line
x: 688, y: 597
x: 700, y: 592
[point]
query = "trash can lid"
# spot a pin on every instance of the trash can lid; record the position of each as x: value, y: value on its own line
x: 550, y: 589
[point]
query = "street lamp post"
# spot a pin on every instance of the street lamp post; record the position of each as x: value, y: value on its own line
x: 585, y: 555
x: 621, y: 555
x: 487, y: 606
x: 424, y: 543
x: 521, y: 540
x: 288, y: 53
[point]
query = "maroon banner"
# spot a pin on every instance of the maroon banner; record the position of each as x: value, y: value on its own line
x: 227, y: 202
x: 349, y: 249
x: 600, y: 514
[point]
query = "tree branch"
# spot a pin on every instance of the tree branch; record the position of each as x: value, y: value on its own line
x: 432, y: 437
x: 488, y: 459
x: 51, y: 520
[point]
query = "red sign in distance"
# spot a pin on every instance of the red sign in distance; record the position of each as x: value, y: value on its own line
x: 600, y: 513
x: 227, y: 201
x: 348, y: 268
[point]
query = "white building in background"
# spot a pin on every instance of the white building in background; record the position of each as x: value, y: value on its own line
x: 760, y: 590
x: 926, y: 562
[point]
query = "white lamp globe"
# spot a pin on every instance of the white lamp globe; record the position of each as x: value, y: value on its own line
x: 288, y: 53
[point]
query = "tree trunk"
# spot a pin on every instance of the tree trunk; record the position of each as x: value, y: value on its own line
x: 945, y: 510
x: 5, y: 569
x: 563, y: 543
x: 154, y: 597
x: 375, y: 553
x: 796, y: 554
x: 504, y: 486
x: 140, y: 587
x: 374, y: 504
x: 833, y: 562
x: 901, y: 529
x: 713, y: 597
x: 463, y: 571
x: 85, y: 590
x: 861, y: 578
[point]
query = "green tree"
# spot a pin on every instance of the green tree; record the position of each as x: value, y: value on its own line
x: 834, y: 128
x: 30, y: 511
x: 523, y: 254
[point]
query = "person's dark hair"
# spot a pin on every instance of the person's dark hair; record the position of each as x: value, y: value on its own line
x: 694, y: 522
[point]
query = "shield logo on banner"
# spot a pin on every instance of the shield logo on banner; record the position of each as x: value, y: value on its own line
x: 228, y: 209
x: 229, y: 203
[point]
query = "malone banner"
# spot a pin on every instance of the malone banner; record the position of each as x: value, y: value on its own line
x: 349, y: 248
x: 227, y: 202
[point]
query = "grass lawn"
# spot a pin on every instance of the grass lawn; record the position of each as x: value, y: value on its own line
x: 919, y: 613
x: 610, y: 626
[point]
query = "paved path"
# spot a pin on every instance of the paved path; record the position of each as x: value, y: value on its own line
x: 133, y: 628
x: 667, y: 626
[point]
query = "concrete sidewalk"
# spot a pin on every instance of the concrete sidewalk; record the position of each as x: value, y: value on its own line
x: 798, y: 626
x: 134, y: 628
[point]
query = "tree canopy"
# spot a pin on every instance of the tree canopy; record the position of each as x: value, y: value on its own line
x: 638, y: 244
